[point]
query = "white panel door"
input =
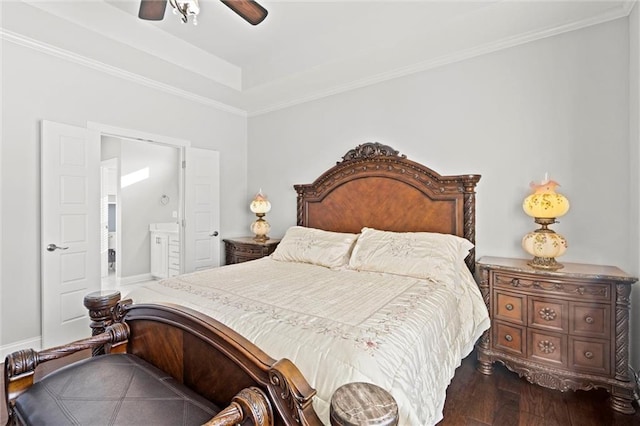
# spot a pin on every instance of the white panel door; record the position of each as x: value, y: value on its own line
x: 70, y: 220
x: 104, y: 222
x: 202, y: 209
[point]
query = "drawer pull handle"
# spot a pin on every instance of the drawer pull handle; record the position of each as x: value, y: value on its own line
x: 508, y: 338
x: 548, y: 314
x: 546, y: 346
x: 588, y: 354
x: 588, y: 319
x: 515, y: 282
x: 509, y: 307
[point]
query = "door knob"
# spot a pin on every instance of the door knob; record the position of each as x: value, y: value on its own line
x: 53, y: 247
x: 214, y: 234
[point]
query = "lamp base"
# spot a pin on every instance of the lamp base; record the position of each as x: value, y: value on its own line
x: 544, y: 245
x: 548, y: 263
x: 261, y: 238
x: 260, y: 228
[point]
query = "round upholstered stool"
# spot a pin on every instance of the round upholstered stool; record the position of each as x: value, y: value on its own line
x: 363, y: 404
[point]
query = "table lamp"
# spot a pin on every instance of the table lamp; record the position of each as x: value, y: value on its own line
x: 260, y: 205
x: 544, y: 244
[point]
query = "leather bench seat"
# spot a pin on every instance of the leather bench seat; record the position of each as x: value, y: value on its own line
x: 115, y: 389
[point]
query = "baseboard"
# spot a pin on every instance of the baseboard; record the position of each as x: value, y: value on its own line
x: 34, y: 343
x: 127, y: 284
x: 134, y: 279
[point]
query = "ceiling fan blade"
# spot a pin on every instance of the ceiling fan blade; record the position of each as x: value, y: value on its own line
x: 249, y: 10
x: 152, y: 10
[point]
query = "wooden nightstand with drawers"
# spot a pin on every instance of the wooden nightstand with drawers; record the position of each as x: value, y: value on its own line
x: 564, y: 329
x: 242, y: 249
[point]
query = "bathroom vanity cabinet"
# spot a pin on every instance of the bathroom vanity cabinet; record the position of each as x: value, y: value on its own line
x: 164, y: 249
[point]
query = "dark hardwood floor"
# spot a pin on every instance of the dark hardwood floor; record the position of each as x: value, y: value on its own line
x: 502, y: 399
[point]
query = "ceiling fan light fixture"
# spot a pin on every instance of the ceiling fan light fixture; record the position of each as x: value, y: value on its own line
x: 153, y: 10
x: 186, y: 9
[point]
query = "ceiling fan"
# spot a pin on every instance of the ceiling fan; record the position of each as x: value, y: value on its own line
x: 153, y: 10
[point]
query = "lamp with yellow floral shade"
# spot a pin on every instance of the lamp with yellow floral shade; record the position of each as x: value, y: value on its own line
x: 544, y: 244
x: 260, y: 205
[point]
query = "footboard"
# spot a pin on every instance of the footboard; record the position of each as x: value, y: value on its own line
x: 206, y: 356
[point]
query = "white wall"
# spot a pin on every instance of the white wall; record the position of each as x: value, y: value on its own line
x: 558, y: 105
x: 140, y: 203
x: 38, y: 86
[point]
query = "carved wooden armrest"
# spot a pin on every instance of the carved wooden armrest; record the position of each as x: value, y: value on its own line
x: 291, y: 392
x: 250, y: 403
x: 20, y: 366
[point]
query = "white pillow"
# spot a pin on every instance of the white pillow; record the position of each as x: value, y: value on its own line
x: 315, y: 246
x: 415, y: 254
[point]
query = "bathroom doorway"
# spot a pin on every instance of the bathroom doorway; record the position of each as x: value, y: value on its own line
x: 141, y: 187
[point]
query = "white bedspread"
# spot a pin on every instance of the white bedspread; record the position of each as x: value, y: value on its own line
x: 404, y: 334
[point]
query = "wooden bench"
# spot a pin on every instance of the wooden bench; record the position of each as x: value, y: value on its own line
x: 175, y: 355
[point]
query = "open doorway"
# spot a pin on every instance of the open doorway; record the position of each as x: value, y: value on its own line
x: 141, y: 193
x: 198, y: 207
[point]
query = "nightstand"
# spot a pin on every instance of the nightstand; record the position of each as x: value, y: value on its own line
x: 242, y: 249
x: 564, y: 329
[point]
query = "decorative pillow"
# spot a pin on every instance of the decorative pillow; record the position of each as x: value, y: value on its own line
x: 415, y: 254
x: 315, y: 246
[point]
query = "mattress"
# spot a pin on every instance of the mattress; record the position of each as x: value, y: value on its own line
x: 405, y: 334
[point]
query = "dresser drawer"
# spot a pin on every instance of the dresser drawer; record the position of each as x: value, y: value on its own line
x: 244, y: 249
x: 509, y: 338
x: 590, y: 320
x: 548, y: 314
x: 548, y: 348
x: 589, y: 355
x: 510, y: 307
x: 240, y: 258
x: 573, y: 289
x: 251, y: 250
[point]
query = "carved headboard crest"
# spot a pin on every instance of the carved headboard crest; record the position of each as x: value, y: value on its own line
x: 370, y: 150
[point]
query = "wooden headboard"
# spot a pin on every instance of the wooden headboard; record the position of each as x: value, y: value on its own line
x: 374, y: 186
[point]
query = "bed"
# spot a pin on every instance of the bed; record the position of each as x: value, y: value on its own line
x: 373, y: 284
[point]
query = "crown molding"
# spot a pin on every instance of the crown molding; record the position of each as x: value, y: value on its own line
x: 143, y: 36
x: 628, y: 6
x: 51, y: 50
x: 505, y: 43
x: 620, y: 12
